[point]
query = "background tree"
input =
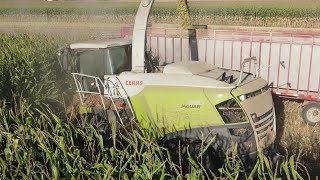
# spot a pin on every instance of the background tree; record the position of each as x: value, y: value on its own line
x: 184, y: 14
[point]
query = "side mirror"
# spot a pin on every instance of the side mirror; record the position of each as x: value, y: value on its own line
x: 63, y: 57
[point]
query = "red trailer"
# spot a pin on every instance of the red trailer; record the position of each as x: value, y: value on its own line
x: 290, y: 62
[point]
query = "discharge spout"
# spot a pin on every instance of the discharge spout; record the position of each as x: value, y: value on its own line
x: 139, y: 36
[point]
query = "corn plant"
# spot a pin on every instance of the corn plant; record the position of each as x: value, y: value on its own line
x: 248, y: 15
x: 48, y: 147
x: 29, y: 69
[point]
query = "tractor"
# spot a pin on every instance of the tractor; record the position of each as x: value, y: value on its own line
x: 188, y: 102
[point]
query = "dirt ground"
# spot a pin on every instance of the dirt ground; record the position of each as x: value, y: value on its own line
x: 85, y: 26
x: 62, y: 29
x: 82, y: 24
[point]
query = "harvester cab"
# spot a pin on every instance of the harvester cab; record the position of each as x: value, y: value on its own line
x: 90, y: 62
x: 191, y: 101
x: 98, y: 57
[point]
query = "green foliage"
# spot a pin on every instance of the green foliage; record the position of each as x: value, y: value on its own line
x: 47, y: 147
x: 264, y: 168
x: 184, y: 14
x: 51, y: 11
x: 242, y: 13
x: 247, y: 15
x: 30, y: 69
x: 182, y: 9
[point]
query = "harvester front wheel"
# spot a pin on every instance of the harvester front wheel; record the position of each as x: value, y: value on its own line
x: 184, y: 153
x: 99, y: 123
x: 311, y: 113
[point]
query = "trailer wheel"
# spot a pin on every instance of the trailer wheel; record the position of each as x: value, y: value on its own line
x: 181, y: 150
x: 311, y: 113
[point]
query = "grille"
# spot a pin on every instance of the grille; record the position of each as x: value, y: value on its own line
x: 263, y: 123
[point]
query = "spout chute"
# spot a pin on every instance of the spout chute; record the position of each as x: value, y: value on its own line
x: 139, y: 35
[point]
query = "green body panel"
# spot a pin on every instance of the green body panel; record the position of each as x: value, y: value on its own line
x: 217, y: 95
x: 178, y: 108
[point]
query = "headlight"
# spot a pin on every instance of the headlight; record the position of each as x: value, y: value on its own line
x: 253, y: 94
x: 242, y: 97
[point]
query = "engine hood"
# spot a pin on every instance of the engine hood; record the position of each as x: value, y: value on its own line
x: 192, y: 68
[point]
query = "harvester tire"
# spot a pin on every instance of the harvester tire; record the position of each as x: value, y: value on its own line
x: 311, y: 113
x: 184, y: 153
x: 99, y: 123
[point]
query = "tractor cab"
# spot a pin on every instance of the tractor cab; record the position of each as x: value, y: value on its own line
x: 98, y: 57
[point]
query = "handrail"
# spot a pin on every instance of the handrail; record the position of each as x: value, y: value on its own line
x: 110, y: 85
x: 254, y: 59
x: 126, y: 96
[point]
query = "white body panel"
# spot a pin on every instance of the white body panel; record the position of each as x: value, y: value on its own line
x: 187, y: 75
x: 97, y: 44
x: 187, y: 68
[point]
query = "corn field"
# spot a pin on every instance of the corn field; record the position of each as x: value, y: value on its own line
x: 281, y: 12
x: 29, y: 69
x: 295, y: 17
x: 38, y: 140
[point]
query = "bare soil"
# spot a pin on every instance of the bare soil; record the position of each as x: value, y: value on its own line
x: 86, y: 26
x: 62, y: 29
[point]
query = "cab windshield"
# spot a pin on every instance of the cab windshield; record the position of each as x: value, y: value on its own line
x: 99, y: 62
